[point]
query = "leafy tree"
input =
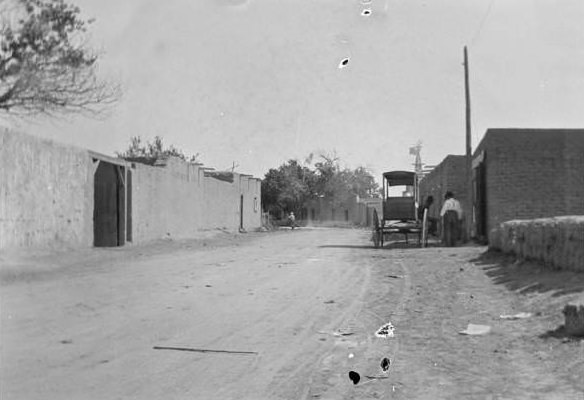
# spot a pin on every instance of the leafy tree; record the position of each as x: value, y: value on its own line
x: 44, y: 66
x: 149, y: 152
x: 362, y: 183
x: 287, y: 188
x: 338, y: 184
x: 290, y: 186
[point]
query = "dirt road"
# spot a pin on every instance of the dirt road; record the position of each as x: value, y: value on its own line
x: 301, y: 306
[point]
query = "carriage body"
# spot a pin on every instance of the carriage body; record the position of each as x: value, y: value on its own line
x: 400, y: 208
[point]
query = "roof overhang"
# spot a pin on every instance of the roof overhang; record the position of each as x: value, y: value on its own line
x: 397, y: 178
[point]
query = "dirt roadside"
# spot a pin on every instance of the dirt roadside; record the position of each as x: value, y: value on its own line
x: 83, y: 324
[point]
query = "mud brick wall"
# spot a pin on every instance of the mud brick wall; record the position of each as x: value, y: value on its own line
x: 533, y: 173
x: 46, y: 193
x: 557, y: 242
x: 47, y: 197
x: 330, y: 209
x: 177, y: 199
x: 251, y: 189
x: 449, y: 175
x: 223, y: 202
x: 574, y: 170
x: 364, y: 211
x: 166, y: 200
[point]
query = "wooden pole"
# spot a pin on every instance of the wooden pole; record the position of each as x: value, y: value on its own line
x: 469, y: 191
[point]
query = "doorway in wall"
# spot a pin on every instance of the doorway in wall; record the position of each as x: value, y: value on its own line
x: 241, y: 213
x: 480, y: 206
x: 109, y: 210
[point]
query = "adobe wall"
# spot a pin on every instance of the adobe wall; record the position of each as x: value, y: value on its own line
x: 166, y: 201
x: 449, y: 175
x: 533, y: 173
x: 574, y: 167
x: 47, y: 197
x: 347, y: 211
x: 364, y: 211
x: 177, y: 200
x: 46, y: 193
x: 251, y: 189
x: 555, y: 242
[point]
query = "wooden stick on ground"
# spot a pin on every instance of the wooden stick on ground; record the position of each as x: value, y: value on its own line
x: 203, y: 350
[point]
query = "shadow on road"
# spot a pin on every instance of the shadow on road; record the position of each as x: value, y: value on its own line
x: 343, y: 246
x: 558, y: 333
x: 387, y: 246
x: 528, y: 276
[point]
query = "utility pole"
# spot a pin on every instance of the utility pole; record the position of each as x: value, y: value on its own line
x: 469, y: 191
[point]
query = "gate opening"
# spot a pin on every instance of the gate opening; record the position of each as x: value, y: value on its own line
x: 109, y: 210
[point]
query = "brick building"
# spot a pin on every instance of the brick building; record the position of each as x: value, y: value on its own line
x: 526, y: 174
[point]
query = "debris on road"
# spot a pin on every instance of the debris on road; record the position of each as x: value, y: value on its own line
x: 473, y: 329
x: 394, y: 276
x: 337, y: 333
x: 203, y: 350
x: 520, y: 315
x: 385, y: 331
x: 374, y: 377
x: 385, y: 363
x: 355, y: 377
x: 329, y: 302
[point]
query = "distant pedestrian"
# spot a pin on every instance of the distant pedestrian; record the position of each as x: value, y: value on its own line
x: 292, y: 220
x: 451, y: 214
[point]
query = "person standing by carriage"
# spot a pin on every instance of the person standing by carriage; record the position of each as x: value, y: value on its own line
x: 432, y: 222
x: 451, y: 214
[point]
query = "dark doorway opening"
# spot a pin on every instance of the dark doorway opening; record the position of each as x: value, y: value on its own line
x: 481, y: 200
x: 241, y: 212
x: 109, y: 210
x: 129, y: 205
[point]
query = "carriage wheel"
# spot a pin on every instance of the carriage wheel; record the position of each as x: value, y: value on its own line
x: 425, y: 229
x: 376, y: 230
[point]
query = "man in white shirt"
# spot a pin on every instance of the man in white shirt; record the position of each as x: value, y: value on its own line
x: 451, y: 214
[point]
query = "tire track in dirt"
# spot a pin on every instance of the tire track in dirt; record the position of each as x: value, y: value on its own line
x: 292, y: 379
x: 285, y: 330
x: 381, y: 301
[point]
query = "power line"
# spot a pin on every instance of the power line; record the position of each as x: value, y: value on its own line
x: 485, y: 17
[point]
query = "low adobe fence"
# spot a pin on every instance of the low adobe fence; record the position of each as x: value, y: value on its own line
x: 556, y: 242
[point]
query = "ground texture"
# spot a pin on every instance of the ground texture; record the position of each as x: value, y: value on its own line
x: 305, y: 304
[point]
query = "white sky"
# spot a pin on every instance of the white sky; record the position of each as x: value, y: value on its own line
x: 256, y: 82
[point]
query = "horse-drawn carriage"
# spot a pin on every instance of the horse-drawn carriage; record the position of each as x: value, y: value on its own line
x: 400, y: 213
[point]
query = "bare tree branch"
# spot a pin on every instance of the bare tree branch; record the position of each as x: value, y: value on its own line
x: 44, y: 66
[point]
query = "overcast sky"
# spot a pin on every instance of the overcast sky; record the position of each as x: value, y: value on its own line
x: 257, y: 82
